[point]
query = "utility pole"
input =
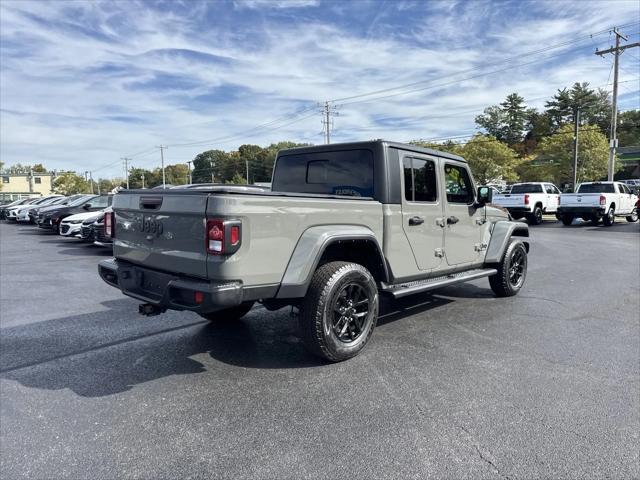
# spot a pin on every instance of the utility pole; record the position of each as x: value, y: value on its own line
x: 190, y: 178
x: 126, y: 169
x: 142, y: 178
x: 327, y: 112
x: 86, y: 176
x: 613, y: 140
x: 246, y: 161
x: 91, y: 181
x: 576, y: 123
x: 162, y: 149
x: 212, y: 177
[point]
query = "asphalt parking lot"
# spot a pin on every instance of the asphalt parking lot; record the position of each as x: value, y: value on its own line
x: 457, y: 384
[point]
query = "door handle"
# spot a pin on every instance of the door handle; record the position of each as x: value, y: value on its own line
x: 452, y: 220
x: 416, y: 221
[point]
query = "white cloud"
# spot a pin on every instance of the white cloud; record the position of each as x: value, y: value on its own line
x: 71, y: 84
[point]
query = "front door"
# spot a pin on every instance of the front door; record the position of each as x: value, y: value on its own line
x: 422, y: 214
x: 463, y: 220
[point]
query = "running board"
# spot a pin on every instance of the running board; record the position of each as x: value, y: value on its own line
x: 403, y: 289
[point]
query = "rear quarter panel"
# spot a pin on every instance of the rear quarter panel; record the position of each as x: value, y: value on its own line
x: 272, y: 226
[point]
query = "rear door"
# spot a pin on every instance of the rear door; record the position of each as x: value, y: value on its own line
x: 463, y: 220
x: 162, y: 231
x: 422, y: 211
x: 553, y: 194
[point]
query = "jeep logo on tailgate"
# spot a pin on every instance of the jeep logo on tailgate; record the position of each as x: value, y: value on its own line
x: 150, y: 225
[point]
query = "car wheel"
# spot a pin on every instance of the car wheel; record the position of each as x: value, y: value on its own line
x: 633, y: 217
x: 609, y: 218
x: 567, y: 220
x: 512, y: 271
x: 536, y: 217
x: 228, y: 314
x: 340, y: 311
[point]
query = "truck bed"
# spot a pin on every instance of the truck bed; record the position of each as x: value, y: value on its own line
x: 166, y: 229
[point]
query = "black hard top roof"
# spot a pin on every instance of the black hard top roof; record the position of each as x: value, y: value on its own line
x: 371, y: 144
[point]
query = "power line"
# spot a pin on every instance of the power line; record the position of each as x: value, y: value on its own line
x: 507, y: 60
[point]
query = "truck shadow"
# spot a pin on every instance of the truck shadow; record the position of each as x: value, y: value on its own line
x: 112, y: 351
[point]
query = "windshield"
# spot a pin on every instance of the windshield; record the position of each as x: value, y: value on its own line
x: 596, y: 188
x: 80, y: 201
x: 527, y: 188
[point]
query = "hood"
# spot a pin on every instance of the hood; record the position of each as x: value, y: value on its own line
x: 79, y: 217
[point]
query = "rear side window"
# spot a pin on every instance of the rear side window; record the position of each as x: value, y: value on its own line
x: 459, y: 186
x: 596, y: 188
x: 527, y: 188
x: 420, y: 183
x: 348, y: 172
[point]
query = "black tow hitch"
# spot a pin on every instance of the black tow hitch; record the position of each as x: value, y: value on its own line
x: 149, y: 310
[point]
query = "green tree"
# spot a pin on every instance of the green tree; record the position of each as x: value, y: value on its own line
x: 69, y: 183
x: 629, y: 128
x: 505, y: 122
x: 237, y: 179
x: 490, y: 160
x: 38, y: 168
x: 492, y: 121
x: 177, y: 174
x: 554, y: 158
x: 594, y: 105
x: 514, y: 116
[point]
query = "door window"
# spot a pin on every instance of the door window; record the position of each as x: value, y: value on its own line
x: 420, y: 183
x: 458, y: 183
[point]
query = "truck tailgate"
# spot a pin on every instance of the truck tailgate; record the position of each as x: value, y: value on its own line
x: 162, y: 231
x: 509, y: 200
x: 579, y: 200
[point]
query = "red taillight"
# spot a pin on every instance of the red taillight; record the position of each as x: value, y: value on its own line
x: 603, y: 200
x: 198, y: 297
x: 215, y: 237
x: 109, y: 227
x: 235, y: 234
x: 223, y: 236
x: 526, y: 199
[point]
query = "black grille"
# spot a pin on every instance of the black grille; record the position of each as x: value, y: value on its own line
x: 86, y: 232
x: 64, y: 228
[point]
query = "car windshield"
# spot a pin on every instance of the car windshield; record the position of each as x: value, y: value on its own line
x: 596, y: 188
x: 79, y: 201
x: 527, y: 188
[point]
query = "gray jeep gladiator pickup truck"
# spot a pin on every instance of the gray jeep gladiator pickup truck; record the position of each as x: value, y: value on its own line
x: 342, y: 225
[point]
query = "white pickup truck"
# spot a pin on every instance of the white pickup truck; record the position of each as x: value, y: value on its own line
x: 529, y: 200
x: 599, y: 200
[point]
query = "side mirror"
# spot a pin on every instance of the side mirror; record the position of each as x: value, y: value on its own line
x: 485, y: 195
x: 86, y: 206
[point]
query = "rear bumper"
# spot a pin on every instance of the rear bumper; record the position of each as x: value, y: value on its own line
x: 581, y: 211
x: 168, y: 291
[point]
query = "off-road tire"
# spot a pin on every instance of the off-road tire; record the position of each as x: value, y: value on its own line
x: 609, y: 217
x: 502, y: 283
x: 232, y: 314
x: 536, y: 217
x: 567, y: 220
x: 318, y: 310
x: 633, y: 217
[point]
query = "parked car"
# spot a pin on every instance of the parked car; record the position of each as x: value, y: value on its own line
x: 599, y: 200
x: 343, y: 225
x: 23, y: 213
x: 86, y: 229
x: 71, y: 226
x: 51, y: 218
x: 12, y: 212
x: 100, y: 238
x: 15, y: 203
x: 530, y: 200
x: 34, y: 211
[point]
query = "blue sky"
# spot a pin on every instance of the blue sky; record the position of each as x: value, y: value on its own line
x: 85, y: 83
